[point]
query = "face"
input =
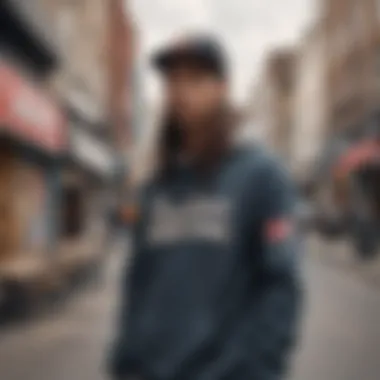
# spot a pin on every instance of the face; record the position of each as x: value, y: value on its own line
x: 192, y: 93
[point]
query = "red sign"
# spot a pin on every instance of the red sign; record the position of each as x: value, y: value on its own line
x: 27, y: 113
x: 359, y: 155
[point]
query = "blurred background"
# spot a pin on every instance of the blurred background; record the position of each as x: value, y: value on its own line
x: 78, y: 109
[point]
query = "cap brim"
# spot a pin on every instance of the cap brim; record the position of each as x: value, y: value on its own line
x: 168, y: 59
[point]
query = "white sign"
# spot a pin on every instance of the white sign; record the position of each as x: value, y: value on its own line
x: 86, y: 105
x: 92, y: 152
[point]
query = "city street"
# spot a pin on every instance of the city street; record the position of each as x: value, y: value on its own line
x: 341, y: 339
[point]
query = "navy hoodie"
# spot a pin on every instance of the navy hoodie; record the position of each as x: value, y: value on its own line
x: 213, y: 291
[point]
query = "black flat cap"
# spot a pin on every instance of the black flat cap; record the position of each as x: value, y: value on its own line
x: 205, y: 51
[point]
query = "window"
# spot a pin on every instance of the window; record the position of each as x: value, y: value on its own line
x: 73, y: 212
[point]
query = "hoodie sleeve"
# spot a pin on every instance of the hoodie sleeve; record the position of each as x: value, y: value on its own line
x: 122, y: 360
x: 271, y: 324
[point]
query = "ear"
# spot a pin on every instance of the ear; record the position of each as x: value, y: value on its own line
x: 130, y: 214
x: 224, y: 89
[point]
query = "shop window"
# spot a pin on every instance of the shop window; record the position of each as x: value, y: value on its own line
x: 73, y: 212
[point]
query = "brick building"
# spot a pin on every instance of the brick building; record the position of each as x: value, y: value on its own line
x: 121, y: 42
x: 80, y: 27
x: 97, y: 43
x: 66, y: 70
x: 32, y: 140
x: 94, y: 85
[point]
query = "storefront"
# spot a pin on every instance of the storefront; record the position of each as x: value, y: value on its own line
x: 347, y: 191
x: 86, y: 193
x: 32, y: 140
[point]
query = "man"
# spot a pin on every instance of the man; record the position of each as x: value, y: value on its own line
x: 213, y: 292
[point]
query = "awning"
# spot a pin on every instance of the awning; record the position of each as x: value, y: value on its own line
x: 92, y: 153
x: 28, y: 114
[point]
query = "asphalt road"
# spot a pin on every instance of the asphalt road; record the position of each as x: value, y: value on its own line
x: 341, y: 333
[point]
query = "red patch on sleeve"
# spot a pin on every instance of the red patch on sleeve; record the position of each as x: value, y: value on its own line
x: 277, y: 230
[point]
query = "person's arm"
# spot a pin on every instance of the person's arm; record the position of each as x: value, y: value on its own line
x: 272, y: 323
x: 122, y: 361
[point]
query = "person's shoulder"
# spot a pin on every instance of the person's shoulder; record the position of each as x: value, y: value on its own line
x: 258, y: 160
x: 267, y: 176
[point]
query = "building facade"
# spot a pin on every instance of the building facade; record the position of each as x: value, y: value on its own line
x: 348, y: 115
x: 352, y: 61
x: 81, y: 81
x: 94, y: 84
x: 309, y: 124
x: 121, y: 41
x: 33, y: 140
x: 97, y: 40
x: 64, y: 102
x: 274, y: 102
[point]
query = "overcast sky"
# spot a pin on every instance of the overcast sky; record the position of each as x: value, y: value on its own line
x: 248, y: 27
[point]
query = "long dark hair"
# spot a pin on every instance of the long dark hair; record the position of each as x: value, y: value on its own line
x: 218, y: 130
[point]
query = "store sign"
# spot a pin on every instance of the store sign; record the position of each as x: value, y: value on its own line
x: 92, y: 153
x: 27, y: 113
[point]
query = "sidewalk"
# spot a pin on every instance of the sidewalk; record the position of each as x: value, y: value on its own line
x: 29, y: 285
x: 340, y: 255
